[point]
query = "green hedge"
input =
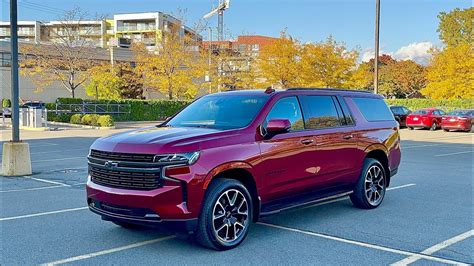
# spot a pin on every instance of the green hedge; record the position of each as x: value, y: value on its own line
x: 140, y: 110
x: 105, y: 121
x: 76, y: 119
x: 446, y: 105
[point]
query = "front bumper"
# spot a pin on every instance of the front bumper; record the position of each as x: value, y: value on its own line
x: 139, y: 216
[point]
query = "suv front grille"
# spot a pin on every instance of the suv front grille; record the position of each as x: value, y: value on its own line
x: 124, y: 179
x: 124, y: 170
x: 125, y: 157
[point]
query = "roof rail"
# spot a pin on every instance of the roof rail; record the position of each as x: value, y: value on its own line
x: 329, y: 89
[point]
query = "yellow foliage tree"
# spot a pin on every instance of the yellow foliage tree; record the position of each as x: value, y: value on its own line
x: 104, y: 83
x: 278, y: 63
x: 174, y: 68
x: 328, y: 64
x: 450, y: 74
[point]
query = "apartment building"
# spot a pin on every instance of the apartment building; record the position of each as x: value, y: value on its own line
x: 28, y: 31
x: 148, y: 28
x: 93, y: 31
x: 121, y: 31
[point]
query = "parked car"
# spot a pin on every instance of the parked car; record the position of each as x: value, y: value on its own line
x: 34, y: 104
x: 6, y: 112
x: 232, y: 157
x: 429, y: 118
x: 458, y: 120
x: 400, y: 113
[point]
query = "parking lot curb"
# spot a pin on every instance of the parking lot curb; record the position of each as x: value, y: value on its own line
x: 79, y: 126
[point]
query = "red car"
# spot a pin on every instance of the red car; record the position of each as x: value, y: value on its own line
x: 429, y: 118
x: 458, y: 120
x: 232, y: 157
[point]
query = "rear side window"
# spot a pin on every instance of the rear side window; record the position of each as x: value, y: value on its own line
x: 373, y: 109
x: 287, y: 108
x: 320, y: 112
x: 346, y: 113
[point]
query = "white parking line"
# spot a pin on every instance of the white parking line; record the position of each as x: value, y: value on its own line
x: 59, y: 159
x: 436, y: 248
x: 421, y: 146
x: 33, y: 145
x: 454, y: 153
x: 363, y: 244
x: 47, y: 181
x: 44, y: 152
x: 29, y: 189
x: 41, y: 214
x: 108, y: 251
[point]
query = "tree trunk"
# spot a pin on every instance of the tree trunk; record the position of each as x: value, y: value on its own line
x: 170, y: 94
x: 73, y: 92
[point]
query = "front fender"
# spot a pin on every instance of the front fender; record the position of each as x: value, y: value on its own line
x: 224, y: 167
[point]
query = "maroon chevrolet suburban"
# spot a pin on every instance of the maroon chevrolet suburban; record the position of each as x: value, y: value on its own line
x: 229, y: 158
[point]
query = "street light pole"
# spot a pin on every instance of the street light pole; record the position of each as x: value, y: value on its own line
x: 14, y: 73
x: 376, y: 59
x: 16, y: 159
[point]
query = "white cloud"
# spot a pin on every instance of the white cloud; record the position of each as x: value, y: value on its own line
x: 417, y: 52
x: 368, y: 54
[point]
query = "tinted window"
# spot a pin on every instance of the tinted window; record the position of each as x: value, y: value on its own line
x: 345, y: 109
x: 406, y: 110
x: 287, y: 108
x: 320, y: 112
x: 219, y: 112
x: 420, y: 112
x: 461, y: 113
x: 373, y: 109
x: 396, y: 110
x: 441, y: 112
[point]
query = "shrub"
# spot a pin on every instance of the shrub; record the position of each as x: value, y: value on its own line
x: 105, y: 121
x: 6, y: 103
x: 446, y: 105
x: 90, y: 120
x: 64, y: 118
x: 76, y: 119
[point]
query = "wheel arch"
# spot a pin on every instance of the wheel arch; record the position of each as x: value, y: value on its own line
x: 241, y: 172
x: 380, y: 155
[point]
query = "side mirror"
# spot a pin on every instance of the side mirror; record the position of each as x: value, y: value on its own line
x: 278, y: 126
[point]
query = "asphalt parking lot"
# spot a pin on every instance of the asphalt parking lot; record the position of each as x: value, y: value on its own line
x: 426, y: 217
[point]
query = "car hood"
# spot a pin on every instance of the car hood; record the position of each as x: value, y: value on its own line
x: 156, y: 140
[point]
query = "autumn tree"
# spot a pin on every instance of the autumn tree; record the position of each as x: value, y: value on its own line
x: 450, y: 74
x: 402, y: 79
x: 327, y: 64
x: 174, y: 67
x: 455, y: 27
x: 104, y: 83
x: 65, y: 59
x: 278, y: 63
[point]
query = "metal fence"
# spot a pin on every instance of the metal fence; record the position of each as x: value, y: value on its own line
x: 92, y: 108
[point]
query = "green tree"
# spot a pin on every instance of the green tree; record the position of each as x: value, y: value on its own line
x: 455, y: 27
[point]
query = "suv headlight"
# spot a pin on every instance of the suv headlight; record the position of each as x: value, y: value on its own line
x: 178, y: 158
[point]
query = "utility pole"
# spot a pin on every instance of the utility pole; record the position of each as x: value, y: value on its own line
x: 16, y: 160
x: 210, y: 59
x: 14, y: 73
x: 376, y: 59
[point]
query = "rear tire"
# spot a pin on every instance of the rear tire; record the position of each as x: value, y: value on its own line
x: 226, y: 215
x: 369, y: 191
x: 434, y: 126
x: 410, y: 128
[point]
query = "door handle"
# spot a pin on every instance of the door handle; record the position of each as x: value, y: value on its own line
x: 307, y: 141
x: 347, y: 137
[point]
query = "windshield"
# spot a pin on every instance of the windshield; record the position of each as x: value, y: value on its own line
x: 219, y: 112
x: 460, y: 113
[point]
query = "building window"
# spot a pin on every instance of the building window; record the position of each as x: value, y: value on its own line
x: 5, y: 59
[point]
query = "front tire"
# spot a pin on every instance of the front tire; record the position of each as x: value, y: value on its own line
x: 226, y: 215
x: 369, y: 191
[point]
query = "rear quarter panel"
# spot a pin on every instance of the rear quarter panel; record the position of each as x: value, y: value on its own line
x: 380, y: 135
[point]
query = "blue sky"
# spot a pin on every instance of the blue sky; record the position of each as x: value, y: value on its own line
x: 403, y: 22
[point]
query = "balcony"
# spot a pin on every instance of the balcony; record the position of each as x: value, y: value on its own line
x: 137, y: 27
